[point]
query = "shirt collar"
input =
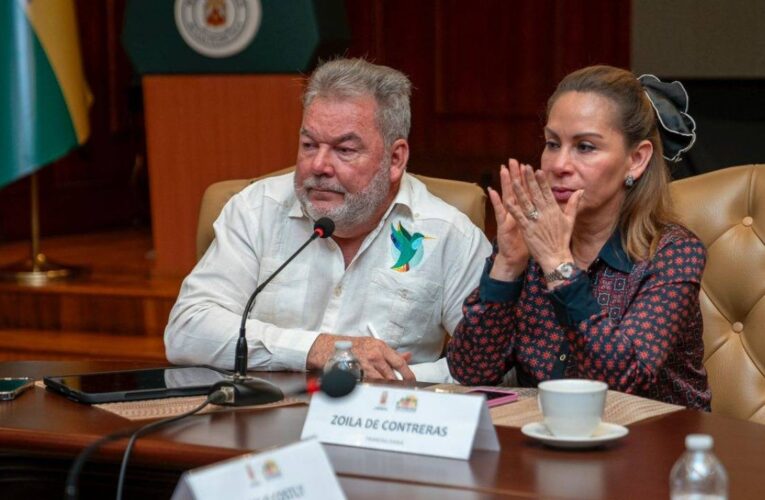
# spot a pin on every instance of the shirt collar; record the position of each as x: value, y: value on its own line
x: 614, y: 255
x: 405, y: 194
x: 296, y: 210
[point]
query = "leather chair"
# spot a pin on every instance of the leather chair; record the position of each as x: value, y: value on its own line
x: 726, y: 209
x: 465, y: 196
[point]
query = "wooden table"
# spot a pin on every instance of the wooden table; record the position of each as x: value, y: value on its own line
x: 40, y: 432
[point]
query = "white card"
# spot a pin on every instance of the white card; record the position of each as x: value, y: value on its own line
x: 278, y: 473
x: 403, y: 420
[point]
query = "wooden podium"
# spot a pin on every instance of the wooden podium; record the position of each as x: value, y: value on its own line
x: 205, y: 128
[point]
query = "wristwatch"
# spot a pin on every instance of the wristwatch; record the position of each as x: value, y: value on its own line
x: 563, y: 272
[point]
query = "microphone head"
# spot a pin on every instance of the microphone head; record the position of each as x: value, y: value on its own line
x: 337, y: 383
x: 324, y: 227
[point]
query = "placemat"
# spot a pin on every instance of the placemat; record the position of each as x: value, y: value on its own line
x: 169, y: 407
x: 621, y: 408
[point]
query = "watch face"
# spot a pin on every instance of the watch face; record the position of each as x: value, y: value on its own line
x: 566, y: 269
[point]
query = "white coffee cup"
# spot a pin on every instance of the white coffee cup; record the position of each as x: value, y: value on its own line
x: 572, y: 408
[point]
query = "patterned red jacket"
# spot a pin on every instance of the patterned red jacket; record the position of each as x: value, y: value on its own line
x: 636, y: 326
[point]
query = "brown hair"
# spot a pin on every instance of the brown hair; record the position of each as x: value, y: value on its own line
x: 646, y: 209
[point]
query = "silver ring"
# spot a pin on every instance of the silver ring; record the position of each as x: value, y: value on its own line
x: 533, y: 215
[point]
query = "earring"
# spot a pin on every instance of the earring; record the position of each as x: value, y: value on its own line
x: 629, y: 181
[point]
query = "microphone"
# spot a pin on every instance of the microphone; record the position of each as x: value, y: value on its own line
x: 322, y: 228
x: 336, y: 383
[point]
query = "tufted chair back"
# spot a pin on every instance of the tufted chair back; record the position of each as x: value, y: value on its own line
x: 726, y: 209
x: 465, y: 196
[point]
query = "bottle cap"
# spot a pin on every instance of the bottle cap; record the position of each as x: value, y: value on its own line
x: 343, y: 344
x: 698, y: 442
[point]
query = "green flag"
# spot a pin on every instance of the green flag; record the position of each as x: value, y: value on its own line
x: 45, y: 110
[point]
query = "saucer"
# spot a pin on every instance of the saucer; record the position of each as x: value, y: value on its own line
x: 604, y: 433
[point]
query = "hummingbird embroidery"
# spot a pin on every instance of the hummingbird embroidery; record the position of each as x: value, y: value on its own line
x: 409, y: 247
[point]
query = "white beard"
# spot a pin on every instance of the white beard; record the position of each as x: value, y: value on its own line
x: 357, y: 209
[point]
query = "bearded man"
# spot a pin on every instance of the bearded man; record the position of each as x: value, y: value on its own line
x: 391, y: 279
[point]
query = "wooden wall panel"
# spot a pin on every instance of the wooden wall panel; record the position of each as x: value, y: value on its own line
x: 97, y: 312
x: 591, y: 32
x: 30, y: 344
x: 487, y: 58
x: 483, y: 70
x: 204, y: 128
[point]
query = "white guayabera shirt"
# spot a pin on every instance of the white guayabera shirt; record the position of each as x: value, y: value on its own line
x: 411, y: 308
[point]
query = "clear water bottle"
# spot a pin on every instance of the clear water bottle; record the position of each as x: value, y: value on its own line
x: 343, y: 359
x: 698, y: 474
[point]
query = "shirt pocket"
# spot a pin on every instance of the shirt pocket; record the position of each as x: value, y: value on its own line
x: 282, y: 301
x: 403, y: 306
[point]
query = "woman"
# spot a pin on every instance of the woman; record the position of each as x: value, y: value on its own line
x: 590, y: 276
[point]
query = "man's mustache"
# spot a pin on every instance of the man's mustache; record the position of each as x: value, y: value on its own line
x: 323, y: 184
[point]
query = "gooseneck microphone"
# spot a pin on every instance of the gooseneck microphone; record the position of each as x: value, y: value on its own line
x: 322, y: 228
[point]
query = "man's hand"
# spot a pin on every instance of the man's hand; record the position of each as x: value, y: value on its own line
x: 377, y: 359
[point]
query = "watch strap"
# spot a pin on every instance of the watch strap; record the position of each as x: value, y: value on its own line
x: 563, y: 272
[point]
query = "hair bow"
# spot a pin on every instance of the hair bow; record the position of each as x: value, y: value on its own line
x: 670, y: 101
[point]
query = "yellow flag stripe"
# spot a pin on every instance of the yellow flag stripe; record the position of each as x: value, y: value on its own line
x: 55, y: 23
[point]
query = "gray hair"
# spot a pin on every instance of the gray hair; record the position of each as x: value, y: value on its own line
x: 344, y: 78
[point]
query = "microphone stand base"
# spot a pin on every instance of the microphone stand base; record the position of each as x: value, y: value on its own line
x: 248, y: 391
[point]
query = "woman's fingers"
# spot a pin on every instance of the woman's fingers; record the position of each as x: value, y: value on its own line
x: 572, y: 205
x: 499, y: 208
x: 507, y: 197
x: 544, y: 187
x: 534, y: 187
x: 519, y: 190
x: 525, y: 193
x: 515, y: 211
x: 506, y: 183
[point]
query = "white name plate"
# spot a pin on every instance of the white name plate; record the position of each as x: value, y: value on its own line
x: 298, y: 471
x: 403, y: 420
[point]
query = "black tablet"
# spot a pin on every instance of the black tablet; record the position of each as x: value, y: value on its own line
x: 133, y: 385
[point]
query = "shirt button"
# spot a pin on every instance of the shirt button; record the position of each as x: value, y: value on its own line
x: 562, y: 357
x: 338, y: 290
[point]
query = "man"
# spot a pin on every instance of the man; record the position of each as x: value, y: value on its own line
x: 391, y: 279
